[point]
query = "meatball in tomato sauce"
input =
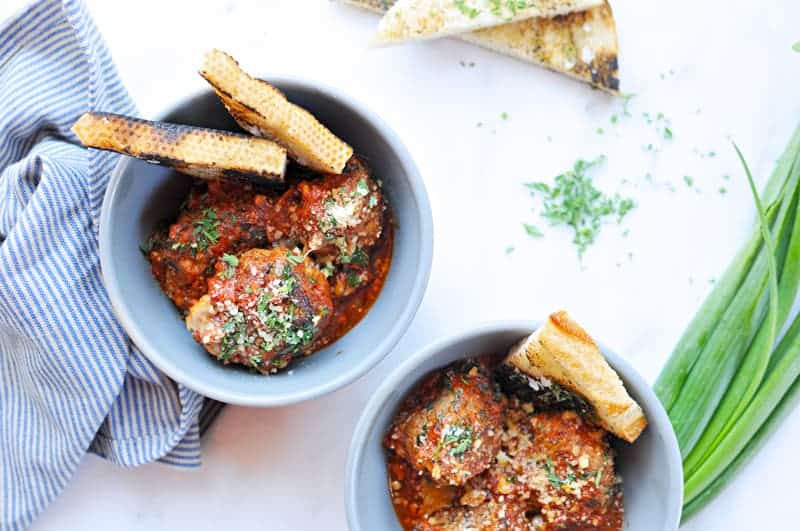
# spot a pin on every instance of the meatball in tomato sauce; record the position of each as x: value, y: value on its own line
x: 217, y: 218
x: 338, y: 217
x: 451, y: 425
x: 263, y: 309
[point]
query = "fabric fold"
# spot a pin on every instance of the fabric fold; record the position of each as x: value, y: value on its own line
x: 70, y: 379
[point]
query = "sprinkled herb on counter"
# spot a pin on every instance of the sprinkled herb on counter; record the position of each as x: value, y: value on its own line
x: 796, y: 47
x: 574, y: 201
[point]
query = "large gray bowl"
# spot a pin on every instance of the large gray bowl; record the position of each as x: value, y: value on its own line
x: 139, y: 195
x: 651, y: 467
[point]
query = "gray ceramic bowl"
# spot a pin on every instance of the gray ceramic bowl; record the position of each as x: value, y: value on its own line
x: 651, y: 467
x: 140, y: 195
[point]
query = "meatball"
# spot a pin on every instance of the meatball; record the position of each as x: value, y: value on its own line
x: 582, y: 492
x: 337, y: 217
x: 414, y: 494
x: 217, y: 218
x: 450, y: 426
x: 559, y: 464
x: 263, y: 309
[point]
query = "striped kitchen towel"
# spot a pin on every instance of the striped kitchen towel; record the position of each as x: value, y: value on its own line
x: 71, y: 381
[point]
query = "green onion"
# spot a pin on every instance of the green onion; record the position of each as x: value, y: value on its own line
x: 727, y: 386
x: 787, y: 404
x: 776, y: 386
x: 697, y: 334
x: 751, y: 373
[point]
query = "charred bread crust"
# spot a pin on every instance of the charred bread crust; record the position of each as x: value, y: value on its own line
x: 197, y: 151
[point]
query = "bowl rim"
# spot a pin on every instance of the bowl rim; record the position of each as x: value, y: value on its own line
x: 360, y: 367
x: 377, y: 402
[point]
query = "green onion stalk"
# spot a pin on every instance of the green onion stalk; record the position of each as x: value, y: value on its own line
x: 726, y: 386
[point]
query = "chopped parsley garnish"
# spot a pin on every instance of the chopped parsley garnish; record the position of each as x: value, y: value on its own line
x: 256, y: 359
x: 177, y: 245
x: 235, y: 331
x: 362, y: 188
x: 373, y: 201
x: 574, y: 201
x: 231, y: 262
x: 205, y: 229
x: 296, y: 259
x: 353, y: 280
x: 458, y: 438
x: 553, y: 478
x: 359, y: 257
x: 283, y: 331
x: 466, y: 10
x: 328, y: 270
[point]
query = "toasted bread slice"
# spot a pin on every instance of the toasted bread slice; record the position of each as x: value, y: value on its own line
x: 409, y: 20
x: 203, y: 153
x: 263, y: 110
x: 564, y: 353
x: 582, y: 45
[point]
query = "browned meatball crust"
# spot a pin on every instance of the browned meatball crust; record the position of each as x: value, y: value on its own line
x: 451, y: 424
x: 556, y: 461
x: 337, y: 217
x: 217, y: 218
x: 263, y: 309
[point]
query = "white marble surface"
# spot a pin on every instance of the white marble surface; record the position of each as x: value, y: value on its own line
x: 728, y: 73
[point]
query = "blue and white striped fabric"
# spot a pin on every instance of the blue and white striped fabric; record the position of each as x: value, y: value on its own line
x: 70, y: 379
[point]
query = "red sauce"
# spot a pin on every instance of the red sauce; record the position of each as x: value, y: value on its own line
x: 350, y: 309
x: 223, y: 218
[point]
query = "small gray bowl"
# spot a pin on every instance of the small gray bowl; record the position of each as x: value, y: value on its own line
x: 140, y: 195
x: 651, y: 467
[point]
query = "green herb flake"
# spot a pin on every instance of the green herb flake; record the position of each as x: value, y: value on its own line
x: 465, y: 9
x: 362, y: 188
x: 509, y: 249
x: 296, y: 259
x: 552, y: 477
x: 458, y: 438
x: 206, y: 231
x: 373, y: 201
x: 235, y: 331
x: 359, y: 257
x: 353, y: 280
x: 668, y: 133
x: 532, y: 230
x: 796, y: 47
x: 504, y: 115
x: 231, y: 262
x: 574, y: 201
x: 689, y: 180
